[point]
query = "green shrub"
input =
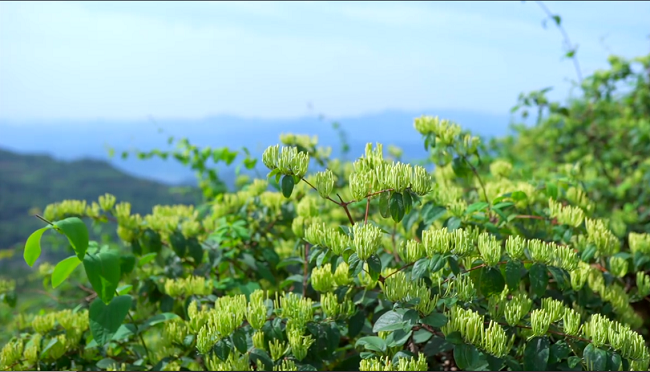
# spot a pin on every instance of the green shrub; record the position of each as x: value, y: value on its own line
x: 526, y: 255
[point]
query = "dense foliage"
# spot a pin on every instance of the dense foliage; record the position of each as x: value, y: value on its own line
x: 528, y: 254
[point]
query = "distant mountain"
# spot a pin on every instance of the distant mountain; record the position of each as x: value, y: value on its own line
x: 34, y: 181
x: 74, y: 140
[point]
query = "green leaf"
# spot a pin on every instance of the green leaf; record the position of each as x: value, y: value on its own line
x: 614, y: 361
x: 383, y: 204
x: 105, y: 320
x: 538, y: 279
x: 103, y: 271
x: 408, y: 201
x: 261, y: 359
x: 372, y: 343
x: 127, y: 263
x: 551, y: 190
x: 159, y: 318
x: 453, y: 223
x: 420, y: 268
x: 63, y: 269
x: 178, y: 243
x: 33, y: 246
x: 466, y: 357
x: 513, y: 274
x: 147, y: 258
x: 287, y: 185
x: 396, y: 206
x: 557, y: 19
x: 435, y: 320
x: 437, y: 262
x: 374, y: 264
x: 355, y: 324
x: 150, y: 241
x: 476, y: 207
x: 388, y: 321
x: 124, y: 289
x: 76, y: 232
x: 239, y: 340
x: 595, y: 358
x: 195, y: 250
x: 492, y: 282
x: 433, y: 213
x: 536, y: 354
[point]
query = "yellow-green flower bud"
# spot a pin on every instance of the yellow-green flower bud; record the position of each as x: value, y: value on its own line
x: 286, y: 365
x: 618, y: 266
x: 579, y: 276
x: 322, y: 279
x: 341, y: 275
x: 412, y: 364
x: 642, y: 284
x: 256, y: 311
x: 366, y: 241
x: 554, y: 308
x: 515, y: 247
x: 270, y: 156
x: 411, y: 251
x: 299, y: 344
x: 258, y: 340
x: 571, y: 320
x: 325, y: 183
x: 540, y: 320
x: 596, y: 329
x: 278, y: 349
x: 639, y: 243
x: 500, y: 169
x: 490, y: 249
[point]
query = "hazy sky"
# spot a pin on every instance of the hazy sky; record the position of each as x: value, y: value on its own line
x: 129, y: 60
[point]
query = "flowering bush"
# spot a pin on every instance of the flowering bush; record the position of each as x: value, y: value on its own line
x: 529, y: 255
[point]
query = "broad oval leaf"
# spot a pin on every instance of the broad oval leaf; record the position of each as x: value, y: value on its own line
x: 105, y: 320
x: 103, y: 271
x: 63, y: 269
x: 396, y: 207
x: 76, y: 232
x: 287, y: 185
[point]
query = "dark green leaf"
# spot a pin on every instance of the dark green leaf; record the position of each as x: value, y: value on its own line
x: 551, y: 190
x: 355, y: 324
x: 239, y: 340
x: 287, y: 185
x: 476, y: 207
x: 383, y: 204
x: 372, y: 343
x: 536, y: 354
x: 453, y: 223
x: 127, y: 263
x: 538, y: 279
x: 105, y: 320
x: 466, y: 357
x: 492, y: 282
x: 179, y: 243
x: 261, y: 359
x: 435, y: 320
x: 433, y: 213
x: 396, y: 207
x: 374, y: 264
x: 408, y: 201
x: 437, y: 262
x: 420, y: 268
x: 103, y: 271
x: 513, y: 274
x: 388, y: 321
x: 595, y: 358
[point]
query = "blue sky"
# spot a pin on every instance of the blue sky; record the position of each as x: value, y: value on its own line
x: 131, y: 60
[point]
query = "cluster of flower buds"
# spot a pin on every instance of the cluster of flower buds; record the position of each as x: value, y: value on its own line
x: 256, y: 310
x: 278, y: 348
x: 411, y: 251
x: 298, y: 342
x: 7, y: 286
x: 235, y: 362
x: 490, y: 249
x: 307, y: 207
x: 642, y: 284
x: 399, y: 288
x: 297, y: 309
x: 607, y: 244
x: 333, y: 309
x: 500, y: 168
x: 445, y: 130
x: 272, y: 200
x: 58, y: 211
x: 107, y: 202
x: 332, y: 238
x: 516, y: 308
x: 325, y: 183
x: 227, y: 315
x: 288, y: 160
x: 175, y: 331
x: 470, y: 325
x: 566, y: 215
x: 639, y: 243
x: 578, y: 197
x: 618, y: 266
x: 619, y: 336
x: 322, y: 279
x: 441, y: 241
x: 366, y: 240
x: 11, y: 353
x: 190, y: 286
x: 403, y: 364
x: 549, y: 253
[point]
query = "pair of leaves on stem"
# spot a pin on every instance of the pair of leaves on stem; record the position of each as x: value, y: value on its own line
x: 395, y: 204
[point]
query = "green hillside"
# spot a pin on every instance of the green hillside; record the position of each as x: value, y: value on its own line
x: 31, y: 182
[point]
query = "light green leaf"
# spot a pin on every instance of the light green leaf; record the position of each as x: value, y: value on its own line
x: 103, y: 271
x: 76, y: 232
x: 63, y: 269
x: 33, y: 246
x: 105, y: 320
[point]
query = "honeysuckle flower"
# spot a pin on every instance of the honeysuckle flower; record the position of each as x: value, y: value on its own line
x: 566, y: 215
x: 366, y: 241
x: 639, y: 243
x: 618, y: 266
x: 325, y: 183
x: 299, y: 344
x: 500, y: 168
x: 490, y: 249
x: 642, y: 284
x: 607, y: 244
x: 322, y: 279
